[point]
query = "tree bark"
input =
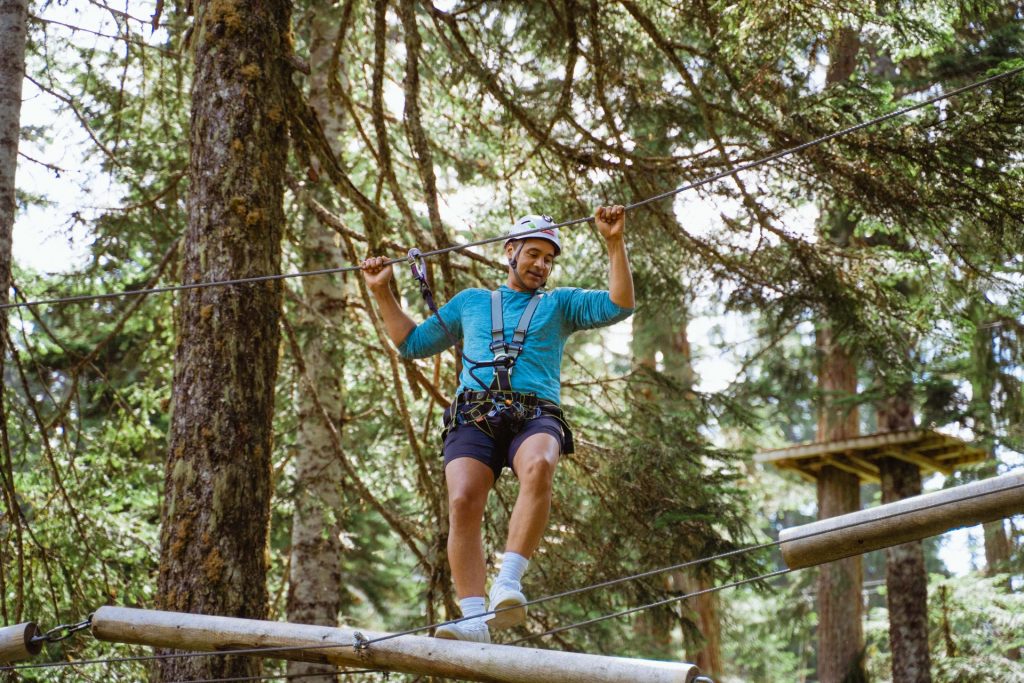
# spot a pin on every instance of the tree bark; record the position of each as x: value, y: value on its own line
x: 315, y: 569
x: 840, y: 629
x: 905, y: 574
x: 13, y: 32
x: 13, y: 27
x: 215, y: 525
x: 983, y: 370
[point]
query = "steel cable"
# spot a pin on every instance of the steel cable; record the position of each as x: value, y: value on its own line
x: 458, y: 247
x: 606, y: 584
x: 363, y: 643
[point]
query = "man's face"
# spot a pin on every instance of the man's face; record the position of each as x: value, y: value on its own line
x: 535, y: 262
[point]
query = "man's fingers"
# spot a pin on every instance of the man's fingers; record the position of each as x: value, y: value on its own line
x: 373, y: 265
x: 610, y: 214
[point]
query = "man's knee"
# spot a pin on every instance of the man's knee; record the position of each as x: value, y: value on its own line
x: 466, y: 503
x: 536, y: 472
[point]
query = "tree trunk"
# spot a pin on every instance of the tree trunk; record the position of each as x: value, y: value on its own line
x: 709, y: 657
x: 13, y: 23
x: 216, y: 514
x: 665, y: 333
x: 905, y: 575
x: 840, y: 631
x: 983, y: 370
x: 315, y: 570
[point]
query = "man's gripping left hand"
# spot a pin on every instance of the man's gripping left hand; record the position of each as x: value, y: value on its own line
x: 610, y: 221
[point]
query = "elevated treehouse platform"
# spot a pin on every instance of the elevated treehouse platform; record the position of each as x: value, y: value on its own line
x: 930, y: 450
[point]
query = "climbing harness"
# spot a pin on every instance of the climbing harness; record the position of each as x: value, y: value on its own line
x: 499, y: 408
x: 496, y: 406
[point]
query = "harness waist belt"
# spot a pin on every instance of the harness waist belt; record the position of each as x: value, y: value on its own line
x: 497, y: 396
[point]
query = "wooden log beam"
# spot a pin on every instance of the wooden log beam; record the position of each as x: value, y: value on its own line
x: 925, y: 464
x: 16, y: 642
x: 854, y: 469
x: 406, y: 654
x: 906, y: 520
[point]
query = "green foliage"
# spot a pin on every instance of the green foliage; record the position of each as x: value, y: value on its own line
x: 769, y: 636
x: 553, y: 108
x: 974, y: 622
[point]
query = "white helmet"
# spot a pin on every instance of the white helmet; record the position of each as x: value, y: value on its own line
x: 544, y: 227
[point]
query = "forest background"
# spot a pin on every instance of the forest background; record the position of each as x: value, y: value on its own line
x: 401, y: 124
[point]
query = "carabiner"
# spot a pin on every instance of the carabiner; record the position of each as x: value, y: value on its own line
x: 419, y: 268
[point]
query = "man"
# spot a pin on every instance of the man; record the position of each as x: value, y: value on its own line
x: 507, y: 412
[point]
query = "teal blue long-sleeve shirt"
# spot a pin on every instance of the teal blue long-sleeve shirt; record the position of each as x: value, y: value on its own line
x: 538, y: 369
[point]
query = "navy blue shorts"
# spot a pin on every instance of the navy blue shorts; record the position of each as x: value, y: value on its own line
x: 496, y: 447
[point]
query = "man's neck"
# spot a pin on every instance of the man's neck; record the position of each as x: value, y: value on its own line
x: 516, y: 286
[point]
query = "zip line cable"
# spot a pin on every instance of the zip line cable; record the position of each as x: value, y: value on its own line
x: 458, y: 247
x: 361, y: 643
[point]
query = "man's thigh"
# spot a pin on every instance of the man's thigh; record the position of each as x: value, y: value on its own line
x: 539, y: 439
x: 469, y: 441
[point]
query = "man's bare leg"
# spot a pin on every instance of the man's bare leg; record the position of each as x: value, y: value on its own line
x: 534, y: 464
x: 469, y: 482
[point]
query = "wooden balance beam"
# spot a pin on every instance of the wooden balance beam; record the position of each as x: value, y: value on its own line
x: 902, y: 521
x: 406, y: 654
x: 18, y: 642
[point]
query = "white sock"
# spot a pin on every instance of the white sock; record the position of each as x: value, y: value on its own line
x: 513, y: 566
x: 471, y: 607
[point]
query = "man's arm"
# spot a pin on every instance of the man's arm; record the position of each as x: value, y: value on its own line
x: 378, y: 278
x: 611, y: 222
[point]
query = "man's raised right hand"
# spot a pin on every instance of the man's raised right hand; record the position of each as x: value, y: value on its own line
x: 376, y: 272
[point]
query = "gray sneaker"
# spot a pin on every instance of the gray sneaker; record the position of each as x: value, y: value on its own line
x: 470, y: 630
x: 508, y: 603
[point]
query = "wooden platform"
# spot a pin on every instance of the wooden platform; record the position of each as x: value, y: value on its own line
x: 926, y: 448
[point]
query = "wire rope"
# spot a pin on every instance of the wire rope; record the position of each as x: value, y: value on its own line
x: 576, y: 221
x: 659, y: 603
x: 704, y: 560
x: 362, y: 643
x: 607, y: 584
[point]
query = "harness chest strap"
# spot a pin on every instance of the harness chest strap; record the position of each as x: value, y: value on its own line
x: 508, y: 351
x: 476, y: 407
